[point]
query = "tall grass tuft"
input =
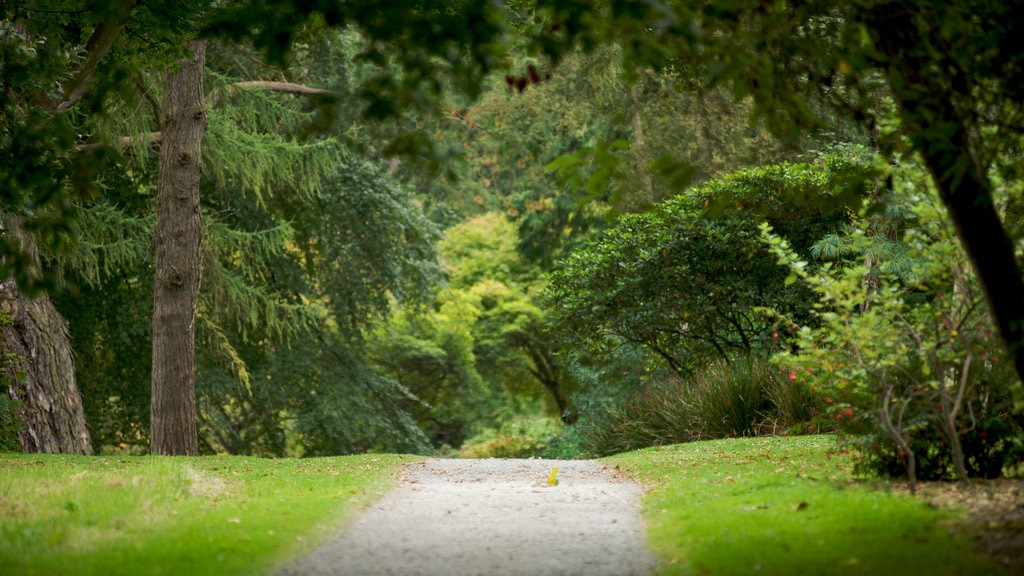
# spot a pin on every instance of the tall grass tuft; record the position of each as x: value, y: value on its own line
x: 744, y: 397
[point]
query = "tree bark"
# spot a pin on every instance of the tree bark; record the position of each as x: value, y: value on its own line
x: 39, y: 369
x: 178, y: 237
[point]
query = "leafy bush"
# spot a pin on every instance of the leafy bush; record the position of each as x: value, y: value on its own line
x: 689, y: 280
x: 520, y: 437
x: 990, y: 435
x: 906, y: 357
x: 744, y: 397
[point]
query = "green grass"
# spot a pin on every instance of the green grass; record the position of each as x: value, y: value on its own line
x: 216, y: 515
x: 781, y: 506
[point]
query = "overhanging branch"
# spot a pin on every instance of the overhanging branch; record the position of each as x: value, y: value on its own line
x: 153, y: 138
x: 282, y: 87
x: 96, y: 49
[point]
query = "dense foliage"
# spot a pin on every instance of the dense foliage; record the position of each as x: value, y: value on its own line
x: 536, y: 133
x: 477, y: 356
x: 690, y: 281
x: 904, y: 353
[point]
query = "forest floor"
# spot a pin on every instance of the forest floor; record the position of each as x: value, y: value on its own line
x: 494, y: 516
x: 994, y: 515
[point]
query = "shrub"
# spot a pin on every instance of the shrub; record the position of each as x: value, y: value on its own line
x: 745, y: 397
x: 904, y: 355
x: 991, y: 439
x: 521, y: 437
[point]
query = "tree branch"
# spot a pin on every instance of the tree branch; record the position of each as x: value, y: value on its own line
x: 96, y: 49
x: 283, y: 87
x: 153, y: 138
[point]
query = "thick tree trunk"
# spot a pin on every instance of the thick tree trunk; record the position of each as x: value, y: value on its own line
x: 39, y: 369
x: 178, y: 237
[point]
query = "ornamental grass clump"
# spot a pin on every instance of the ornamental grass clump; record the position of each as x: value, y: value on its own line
x: 743, y: 397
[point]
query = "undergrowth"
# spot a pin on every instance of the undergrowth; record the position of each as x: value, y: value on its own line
x: 745, y: 397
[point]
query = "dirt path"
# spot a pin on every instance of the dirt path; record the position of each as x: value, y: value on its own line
x: 494, y: 517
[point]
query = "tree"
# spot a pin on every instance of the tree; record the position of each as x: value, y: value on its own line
x: 38, y: 372
x: 510, y: 342
x: 179, y: 232
x: 303, y: 243
x: 948, y: 72
x: 40, y: 172
x: 960, y: 103
x: 692, y: 286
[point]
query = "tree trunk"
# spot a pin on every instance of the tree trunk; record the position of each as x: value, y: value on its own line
x: 639, y: 148
x: 39, y: 369
x: 178, y: 237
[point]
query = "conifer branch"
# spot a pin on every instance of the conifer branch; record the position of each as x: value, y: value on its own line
x: 153, y: 138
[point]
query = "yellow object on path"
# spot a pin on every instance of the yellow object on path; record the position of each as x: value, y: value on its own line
x: 552, y: 481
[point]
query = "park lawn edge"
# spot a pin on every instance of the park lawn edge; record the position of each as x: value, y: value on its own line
x: 788, y: 506
x: 151, y: 515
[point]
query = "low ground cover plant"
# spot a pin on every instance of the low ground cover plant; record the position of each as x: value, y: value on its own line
x: 787, y: 506
x: 217, y: 515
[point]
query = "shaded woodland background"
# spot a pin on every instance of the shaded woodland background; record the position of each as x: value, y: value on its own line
x: 538, y: 235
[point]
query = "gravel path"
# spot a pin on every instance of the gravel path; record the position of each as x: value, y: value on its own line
x: 494, y: 517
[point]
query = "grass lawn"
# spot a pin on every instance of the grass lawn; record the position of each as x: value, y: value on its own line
x: 781, y: 506
x: 217, y: 515
x: 777, y: 506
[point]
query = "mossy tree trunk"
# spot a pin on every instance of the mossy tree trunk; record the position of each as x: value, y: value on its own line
x: 178, y: 238
x: 39, y: 370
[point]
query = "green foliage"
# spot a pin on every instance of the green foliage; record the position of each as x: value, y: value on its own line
x: 480, y: 346
x: 744, y: 397
x: 304, y: 245
x: 10, y: 424
x: 583, y: 116
x: 62, y: 64
x: 205, y: 516
x: 38, y: 172
x: 352, y: 244
x: 787, y: 506
x: 431, y: 355
x: 689, y: 280
x: 433, y: 40
x: 907, y: 360
x: 110, y: 329
x: 313, y: 396
x: 521, y: 437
